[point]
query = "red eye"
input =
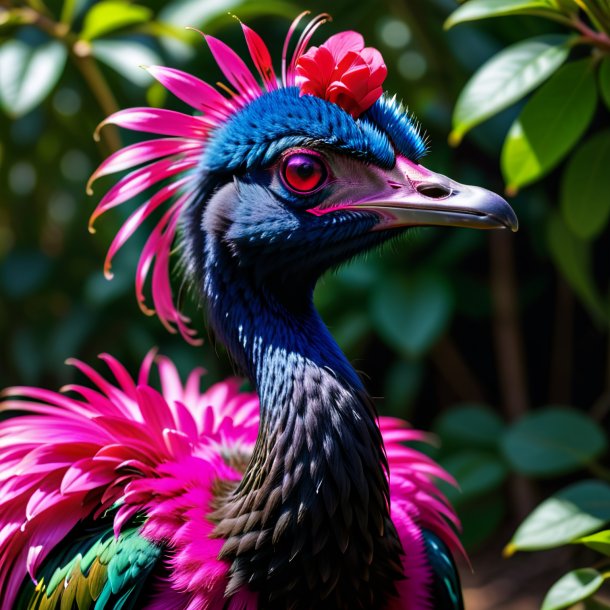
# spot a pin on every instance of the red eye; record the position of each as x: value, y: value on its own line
x: 303, y: 172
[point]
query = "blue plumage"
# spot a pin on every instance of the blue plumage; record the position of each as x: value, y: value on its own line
x: 291, y: 120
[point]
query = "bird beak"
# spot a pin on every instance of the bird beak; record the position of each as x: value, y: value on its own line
x: 411, y: 195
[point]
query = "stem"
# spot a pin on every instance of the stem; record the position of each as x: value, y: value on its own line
x: 456, y: 371
x: 608, y: 366
x: 81, y: 54
x: 509, y: 343
x: 601, y: 40
x: 510, y: 355
x: 602, y: 405
x: 560, y: 378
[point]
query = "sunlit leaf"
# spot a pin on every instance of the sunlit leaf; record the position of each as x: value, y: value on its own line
x: 553, y: 441
x: 126, y: 57
x: 577, y: 510
x: 194, y: 12
x: 411, y: 314
x: 572, y: 588
x: 470, y: 425
x: 506, y: 78
x: 550, y: 124
x: 599, y: 542
x: 604, y: 81
x: 71, y: 9
x: 28, y: 73
x: 483, y: 9
x: 573, y: 257
x: 197, y: 13
x: 585, y: 202
x: 106, y: 17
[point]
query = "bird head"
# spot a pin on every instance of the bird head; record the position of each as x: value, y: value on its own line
x: 286, y: 176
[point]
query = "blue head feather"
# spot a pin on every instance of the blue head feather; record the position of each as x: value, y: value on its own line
x: 281, y: 119
x: 403, y: 129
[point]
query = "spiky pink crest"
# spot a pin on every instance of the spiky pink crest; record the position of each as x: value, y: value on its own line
x: 352, y: 82
x: 121, y: 442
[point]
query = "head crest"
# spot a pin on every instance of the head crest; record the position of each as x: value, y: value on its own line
x: 342, y: 71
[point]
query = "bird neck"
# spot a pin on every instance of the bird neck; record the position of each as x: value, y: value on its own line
x: 310, y: 519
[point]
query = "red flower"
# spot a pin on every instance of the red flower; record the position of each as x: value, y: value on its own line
x: 343, y: 71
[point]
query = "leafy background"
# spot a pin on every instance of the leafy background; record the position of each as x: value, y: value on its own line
x: 499, y: 343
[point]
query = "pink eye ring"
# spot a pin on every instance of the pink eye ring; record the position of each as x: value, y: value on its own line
x: 303, y: 172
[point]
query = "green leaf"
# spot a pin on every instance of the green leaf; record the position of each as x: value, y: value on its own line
x: 71, y: 9
x: 106, y: 17
x: 585, y: 202
x: 476, y: 472
x: 126, y: 57
x: 28, y: 74
x: 550, y: 124
x: 604, y: 81
x: 573, y: 257
x: 470, y: 425
x: 506, y: 78
x: 194, y: 12
x: 577, y: 510
x: 572, y: 588
x: 553, y: 441
x: 599, y: 542
x: 411, y: 314
x: 483, y: 9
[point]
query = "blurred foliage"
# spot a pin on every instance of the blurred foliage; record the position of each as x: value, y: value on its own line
x: 459, y: 331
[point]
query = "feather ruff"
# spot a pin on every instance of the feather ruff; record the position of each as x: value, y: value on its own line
x: 160, y: 454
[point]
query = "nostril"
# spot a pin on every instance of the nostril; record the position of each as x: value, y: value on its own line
x: 434, y: 191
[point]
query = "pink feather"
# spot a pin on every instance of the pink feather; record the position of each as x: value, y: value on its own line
x: 160, y: 453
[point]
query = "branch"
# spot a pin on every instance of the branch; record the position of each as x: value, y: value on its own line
x: 509, y: 343
x: 456, y: 371
x: 560, y: 378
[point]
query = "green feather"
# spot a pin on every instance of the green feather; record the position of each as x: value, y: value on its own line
x: 96, y: 572
x: 446, y: 589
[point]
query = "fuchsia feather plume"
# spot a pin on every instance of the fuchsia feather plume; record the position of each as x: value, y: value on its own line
x: 121, y: 441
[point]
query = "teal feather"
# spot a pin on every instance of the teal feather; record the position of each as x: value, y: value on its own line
x: 104, y: 573
x: 446, y: 590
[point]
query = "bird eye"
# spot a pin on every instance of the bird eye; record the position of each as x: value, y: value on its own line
x: 303, y: 172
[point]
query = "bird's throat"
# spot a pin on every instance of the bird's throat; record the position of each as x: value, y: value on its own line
x: 309, y: 526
